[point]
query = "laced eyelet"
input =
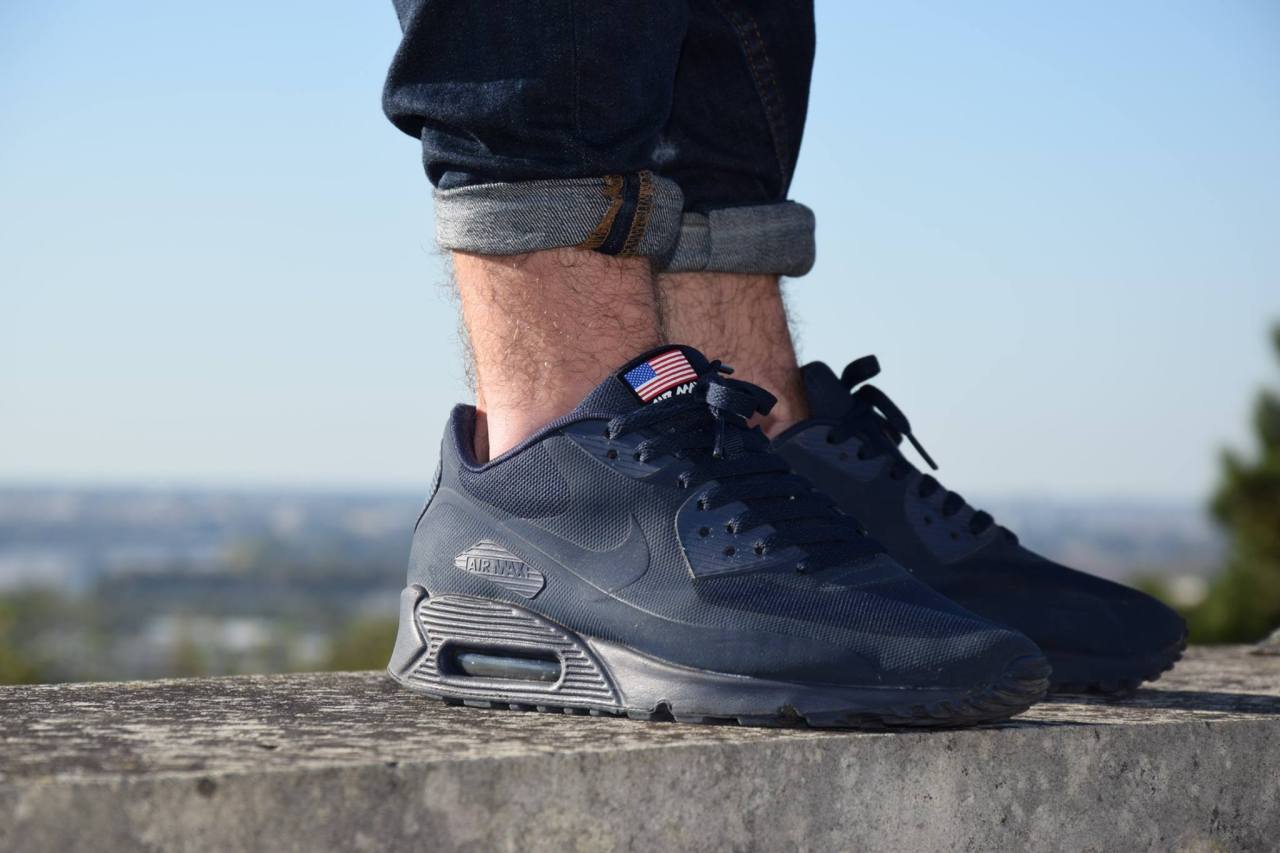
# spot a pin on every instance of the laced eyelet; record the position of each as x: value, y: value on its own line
x: 730, y: 529
x: 611, y: 453
x: 636, y: 456
x: 758, y: 549
x: 702, y: 504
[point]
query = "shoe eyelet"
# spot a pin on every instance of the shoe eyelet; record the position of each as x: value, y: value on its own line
x: 801, y: 568
x: 730, y: 529
x: 702, y: 504
x: 758, y: 549
x: 636, y: 456
x: 830, y: 440
x: 844, y: 456
x: 730, y: 551
x: 704, y: 531
x: 611, y: 453
x: 862, y: 455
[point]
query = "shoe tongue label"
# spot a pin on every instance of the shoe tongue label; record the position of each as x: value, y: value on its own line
x: 660, y: 376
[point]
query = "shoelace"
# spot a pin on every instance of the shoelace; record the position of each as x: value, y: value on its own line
x: 881, y: 426
x: 708, y: 429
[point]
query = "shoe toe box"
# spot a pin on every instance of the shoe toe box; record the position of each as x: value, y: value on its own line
x: 1064, y: 610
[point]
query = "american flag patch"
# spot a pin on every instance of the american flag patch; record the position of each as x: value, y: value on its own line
x: 659, y: 374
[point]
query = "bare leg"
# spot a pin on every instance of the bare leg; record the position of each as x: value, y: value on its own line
x: 545, y: 328
x: 742, y: 320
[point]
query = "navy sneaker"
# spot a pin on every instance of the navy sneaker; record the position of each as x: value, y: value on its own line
x: 1099, y: 636
x: 649, y: 555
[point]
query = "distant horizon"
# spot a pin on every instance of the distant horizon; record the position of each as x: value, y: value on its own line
x: 282, y: 488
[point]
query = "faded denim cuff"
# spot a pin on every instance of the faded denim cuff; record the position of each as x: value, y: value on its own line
x: 775, y: 239
x: 634, y: 215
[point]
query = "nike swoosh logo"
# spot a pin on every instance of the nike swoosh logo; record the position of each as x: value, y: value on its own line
x: 606, y: 570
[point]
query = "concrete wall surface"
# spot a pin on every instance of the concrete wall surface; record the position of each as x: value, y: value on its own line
x: 348, y: 761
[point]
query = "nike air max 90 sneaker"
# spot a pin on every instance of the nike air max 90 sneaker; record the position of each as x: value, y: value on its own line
x: 649, y: 555
x: 1099, y: 636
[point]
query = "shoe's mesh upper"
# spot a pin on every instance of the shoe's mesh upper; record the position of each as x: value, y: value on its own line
x: 528, y: 484
x: 559, y: 504
x: 875, y: 611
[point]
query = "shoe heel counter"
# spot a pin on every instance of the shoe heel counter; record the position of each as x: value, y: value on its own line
x: 410, y: 644
x: 431, y: 493
x: 433, y: 550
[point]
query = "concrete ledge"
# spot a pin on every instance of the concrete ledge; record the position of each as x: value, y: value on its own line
x: 350, y: 762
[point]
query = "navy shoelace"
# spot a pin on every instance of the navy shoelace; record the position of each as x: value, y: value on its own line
x: 708, y: 429
x: 880, y: 425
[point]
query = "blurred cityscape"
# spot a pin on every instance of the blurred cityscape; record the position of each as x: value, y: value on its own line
x: 125, y: 583
x: 145, y: 583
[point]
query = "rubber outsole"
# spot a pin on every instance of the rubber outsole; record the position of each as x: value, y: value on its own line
x: 1113, y: 677
x: 604, y: 679
x: 1021, y: 687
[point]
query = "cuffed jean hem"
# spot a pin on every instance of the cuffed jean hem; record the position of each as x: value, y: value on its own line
x: 774, y: 239
x: 633, y: 215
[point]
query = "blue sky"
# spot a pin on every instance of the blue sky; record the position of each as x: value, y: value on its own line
x: 1056, y: 224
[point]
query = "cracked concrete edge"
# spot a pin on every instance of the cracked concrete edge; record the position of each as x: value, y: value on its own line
x: 1212, y: 786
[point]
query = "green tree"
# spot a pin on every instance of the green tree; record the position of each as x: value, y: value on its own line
x: 365, y: 643
x: 1243, y: 603
x: 15, y: 666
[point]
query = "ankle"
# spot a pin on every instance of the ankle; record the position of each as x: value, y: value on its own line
x: 500, y: 428
x: 544, y: 329
x: 742, y: 320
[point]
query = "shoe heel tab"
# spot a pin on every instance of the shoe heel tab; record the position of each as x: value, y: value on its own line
x: 459, y: 436
x: 455, y: 449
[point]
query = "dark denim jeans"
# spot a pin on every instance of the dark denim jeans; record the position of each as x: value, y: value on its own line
x: 667, y: 129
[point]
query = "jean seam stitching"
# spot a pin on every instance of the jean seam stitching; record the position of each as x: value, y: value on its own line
x: 757, y: 58
x: 612, y: 190
x: 577, y: 89
x: 639, y: 219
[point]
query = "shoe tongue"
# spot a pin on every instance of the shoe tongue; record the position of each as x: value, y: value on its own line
x: 662, y: 372
x: 826, y: 394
